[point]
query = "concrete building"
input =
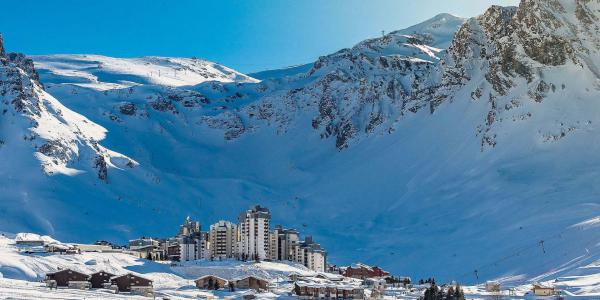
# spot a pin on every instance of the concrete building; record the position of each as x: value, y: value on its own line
x: 148, y: 248
x: 142, y: 243
x: 254, y: 231
x: 189, y: 227
x: 204, y: 246
x: 188, y: 249
x: 311, y: 255
x: 223, y: 238
x: 282, y: 243
x: 194, y: 247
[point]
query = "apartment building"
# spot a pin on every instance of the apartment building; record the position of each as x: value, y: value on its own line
x: 282, y: 242
x: 223, y: 240
x: 254, y: 232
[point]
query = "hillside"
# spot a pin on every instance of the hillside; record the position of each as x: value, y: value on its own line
x: 106, y: 73
x: 396, y: 152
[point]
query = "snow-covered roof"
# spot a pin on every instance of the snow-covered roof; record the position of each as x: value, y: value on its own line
x: 250, y: 276
x: 32, y: 237
x: 61, y: 246
x: 314, y: 284
x: 330, y: 276
x: 213, y: 276
x: 130, y: 274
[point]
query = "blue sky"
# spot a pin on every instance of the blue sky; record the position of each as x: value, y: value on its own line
x: 243, y: 34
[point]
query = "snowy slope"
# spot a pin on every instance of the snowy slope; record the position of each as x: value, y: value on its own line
x: 103, y: 73
x: 437, y: 32
x: 428, y: 162
x: 279, y: 73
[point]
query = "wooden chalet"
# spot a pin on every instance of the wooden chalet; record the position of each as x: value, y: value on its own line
x: 99, y: 279
x: 540, y: 290
x: 125, y: 283
x: 492, y: 286
x: 211, y: 282
x: 294, y: 276
x: 62, y: 278
x: 252, y: 282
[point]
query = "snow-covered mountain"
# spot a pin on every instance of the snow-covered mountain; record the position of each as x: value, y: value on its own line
x: 397, y: 152
x: 106, y: 73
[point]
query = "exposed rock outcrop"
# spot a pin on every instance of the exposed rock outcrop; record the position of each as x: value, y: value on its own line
x: 59, y: 138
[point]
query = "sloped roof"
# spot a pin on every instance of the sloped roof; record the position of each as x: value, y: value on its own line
x: 130, y: 274
x: 213, y: 276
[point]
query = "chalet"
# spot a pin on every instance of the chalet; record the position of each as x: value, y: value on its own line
x: 60, y: 248
x: 252, y: 282
x: 313, y: 290
x: 363, y: 271
x: 375, y: 283
x: 100, y: 279
x: 129, y: 282
x: 62, y: 278
x: 211, y: 282
x: 492, y: 286
x: 92, y: 248
x: 146, y: 252
x: 539, y: 290
x: 30, y: 243
x: 329, y: 276
x: 294, y: 276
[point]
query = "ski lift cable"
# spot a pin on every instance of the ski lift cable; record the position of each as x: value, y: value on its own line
x: 525, y: 249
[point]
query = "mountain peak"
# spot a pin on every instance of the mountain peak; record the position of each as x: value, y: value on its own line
x: 446, y: 16
x: 437, y: 31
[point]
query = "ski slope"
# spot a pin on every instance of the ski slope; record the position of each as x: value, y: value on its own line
x: 105, y: 73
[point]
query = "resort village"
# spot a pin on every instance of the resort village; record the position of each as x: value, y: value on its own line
x: 243, y: 260
x: 250, y: 239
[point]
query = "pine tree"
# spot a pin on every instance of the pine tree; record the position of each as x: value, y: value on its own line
x: 432, y: 293
x: 458, y: 293
x: 450, y: 294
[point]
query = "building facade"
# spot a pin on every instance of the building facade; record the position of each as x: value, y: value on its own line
x: 194, y: 247
x: 310, y: 254
x: 254, y: 231
x: 250, y: 239
x: 188, y: 249
x: 223, y: 240
x: 189, y: 227
x: 282, y: 243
